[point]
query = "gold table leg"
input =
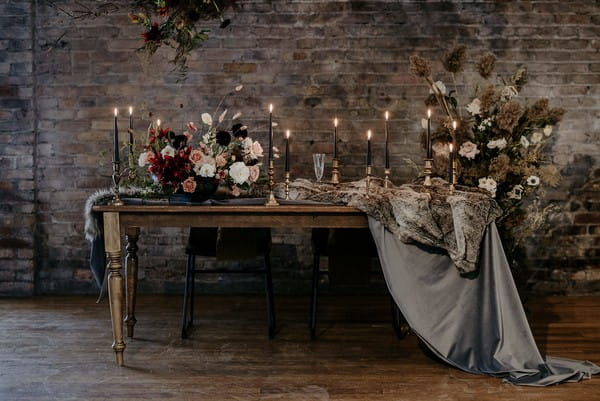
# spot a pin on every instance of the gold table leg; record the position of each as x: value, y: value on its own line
x: 131, y: 266
x: 112, y: 244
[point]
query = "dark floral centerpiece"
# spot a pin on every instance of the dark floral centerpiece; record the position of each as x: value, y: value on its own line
x: 202, y: 158
x: 502, y: 141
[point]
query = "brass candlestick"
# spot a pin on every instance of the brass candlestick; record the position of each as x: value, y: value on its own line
x: 386, y: 181
x: 116, y: 177
x: 287, y: 185
x: 271, y: 201
x: 368, y: 182
x: 427, y: 171
x: 454, y: 176
x: 335, y: 172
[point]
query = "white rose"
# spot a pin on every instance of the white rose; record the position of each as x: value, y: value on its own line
x: 205, y: 170
x: 440, y: 86
x: 516, y: 192
x: 468, y: 150
x: 206, y: 119
x: 537, y: 137
x: 533, y: 180
x: 488, y: 184
x: 524, y: 142
x: 547, y: 130
x: 144, y: 158
x: 168, y: 151
x: 239, y: 172
x: 497, y: 144
x: 474, y: 107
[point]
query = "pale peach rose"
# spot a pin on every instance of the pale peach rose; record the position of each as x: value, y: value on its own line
x: 220, y: 161
x: 187, y: 135
x: 145, y: 158
x: 196, y: 156
x: 189, y: 185
x: 235, y: 191
x: 254, y: 173
x: 256, y: 150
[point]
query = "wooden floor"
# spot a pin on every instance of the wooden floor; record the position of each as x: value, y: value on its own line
x: 58, y: 348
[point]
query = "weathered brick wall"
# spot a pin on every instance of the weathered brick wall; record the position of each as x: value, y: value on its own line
x: 17, y: 150
x: 313, y: 60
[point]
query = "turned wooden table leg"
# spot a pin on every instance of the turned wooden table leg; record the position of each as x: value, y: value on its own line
x: 131, y: 266
x: 112, y: 244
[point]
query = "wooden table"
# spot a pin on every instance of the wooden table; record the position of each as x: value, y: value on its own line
x: 129, y: 219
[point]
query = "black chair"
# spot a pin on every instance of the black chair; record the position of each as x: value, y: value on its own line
x: 343, y: 244
x: 227, y: 243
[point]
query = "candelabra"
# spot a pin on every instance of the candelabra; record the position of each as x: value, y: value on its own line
x: 271, y: 201
x: 335, y: 172
x: 116, y: 177
x: 386, y: 181
x: 454, y: 175
x: 368, y: 181
x: 287, y: 185
x: 427, y: 171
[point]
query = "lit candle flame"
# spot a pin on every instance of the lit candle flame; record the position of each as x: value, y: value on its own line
x: 158, y: 123
x: 387, y: 115
x: 116, y: 112
x: 130, y: 110
x: 369, y: 134
x: 335, y: 122
x: 450, y: 148
x: 287, y: 134
x: 270, y: 108
x: 428, y: 113
x: 454, y: 124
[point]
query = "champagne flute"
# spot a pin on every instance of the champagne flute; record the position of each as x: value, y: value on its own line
x: 319, y: 163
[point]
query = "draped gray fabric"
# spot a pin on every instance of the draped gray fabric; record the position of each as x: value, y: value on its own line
x: 476, y: 322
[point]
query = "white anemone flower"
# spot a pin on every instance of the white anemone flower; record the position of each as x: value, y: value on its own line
x: 533, y: 180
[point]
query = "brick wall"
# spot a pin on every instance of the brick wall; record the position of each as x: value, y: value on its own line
x: 313, y: 60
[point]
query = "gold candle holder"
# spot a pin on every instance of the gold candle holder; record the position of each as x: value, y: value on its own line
x: 368, y: 182
x: 287, y: 185
x: 454, y: 176
x: 271, y: 201
x: 427, y: 171
x: 335, y: 172
x: 386, y: 181
x: 116, y: 177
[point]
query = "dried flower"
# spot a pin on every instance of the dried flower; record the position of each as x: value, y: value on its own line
x: 488, y: 97
x: 509, y: 114
x: 485, y: 65
x: 499, y: 167
x: 519, y: 78
x: 550, y: 175
x: 419, y: 66
x: 454, y: 60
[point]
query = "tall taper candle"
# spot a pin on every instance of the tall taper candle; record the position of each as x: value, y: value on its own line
x: 130, y: 131
x: 287, y: 151
x: 428, y: 139
x: 387, y: 141
x: 335, y: 124
x: 116, y: 139
x: 368, y: 147
x: 270, y: 132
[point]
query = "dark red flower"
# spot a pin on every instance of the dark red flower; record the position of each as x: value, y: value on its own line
x: 153, y: 35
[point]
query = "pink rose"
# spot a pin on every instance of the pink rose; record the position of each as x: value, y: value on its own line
x: 196, y: 156
x: 222, y: 174
x: 189, y: 185
x: 235, y: 191
x: 220, y: 161
x: 254, y: 173
x: 188, y: 136
x: 256, y: 150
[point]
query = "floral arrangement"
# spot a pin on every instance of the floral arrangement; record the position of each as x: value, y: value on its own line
x: 173, y: 23
x: 179, y: 164
x: 501, y: 140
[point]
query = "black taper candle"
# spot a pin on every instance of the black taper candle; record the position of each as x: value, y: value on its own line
x: 116, y: 140
x: 287, y: 151
x: 368, y: 147
x: 270, y: 132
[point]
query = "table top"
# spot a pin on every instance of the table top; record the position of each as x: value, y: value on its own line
x: 332, y: 216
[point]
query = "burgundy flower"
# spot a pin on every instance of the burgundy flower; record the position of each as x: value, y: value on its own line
x: 239, y: 131
x: 223, y: 138
x: 153, y: 35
